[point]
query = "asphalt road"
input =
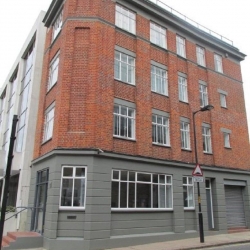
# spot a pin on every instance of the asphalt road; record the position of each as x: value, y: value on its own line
x: 245, y: 246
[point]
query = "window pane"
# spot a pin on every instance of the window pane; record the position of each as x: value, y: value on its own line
x: 79, y: 193
x: 162, y: 196
x: 169, y: 202
x: 80, y: 172
x: 143, y: 195
x: 131, y: 176
x: 131, y: 195
x: 185, y: 196
x: 155, y: 196
x: 66, y: 192
x: 115, y: 194
x: 67, y: 171
x: 144, y: 177
x: 115, y: 175
x: 123, y: 193
x: 124, y: 175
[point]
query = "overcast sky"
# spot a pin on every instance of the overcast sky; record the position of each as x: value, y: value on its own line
x: 229, y: 18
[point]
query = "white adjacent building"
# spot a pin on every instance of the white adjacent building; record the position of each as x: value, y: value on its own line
x: 19, y: 95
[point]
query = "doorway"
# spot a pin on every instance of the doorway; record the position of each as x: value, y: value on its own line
x: 39, y: 210
x: 210, y: 214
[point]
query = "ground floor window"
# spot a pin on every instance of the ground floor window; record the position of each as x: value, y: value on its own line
x: 188, y: 192
x: 73, y: 187
x: 13, y: 188
x: 141, y: 190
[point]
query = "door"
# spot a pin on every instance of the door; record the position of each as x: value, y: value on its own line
x: 210, y: 214
x: 40, y: 201
x: 235, y: 207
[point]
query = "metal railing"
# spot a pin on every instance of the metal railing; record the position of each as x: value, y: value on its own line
x: 192, y: 22
x: 22, y: 209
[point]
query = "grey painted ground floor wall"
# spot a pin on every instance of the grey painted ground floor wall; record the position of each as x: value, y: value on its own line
x: 99, y: 227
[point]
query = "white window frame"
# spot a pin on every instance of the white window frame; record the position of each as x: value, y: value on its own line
x: 181, y: 46
x: 203, y: 94
x: 132, y: 180
x: 53, y: 72
x: 183, y: 91
x: 223, y: 100
x: 125, y: 19
x: 130, y: 120
x: 189, y: 185
x: 128, y: 64
x: 49, y: 122
x: 226, y: 137
x: 57, y: 26
x: 160, y: 129
x: 185, y: 135
x: 158, y: 35
x: 200, y: 54
x: 218, y: 63
x: 159, y: 80
x: 206, y: 138
x: 73, y: 177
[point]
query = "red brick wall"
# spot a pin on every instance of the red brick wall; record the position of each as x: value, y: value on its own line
x: 85, y: 91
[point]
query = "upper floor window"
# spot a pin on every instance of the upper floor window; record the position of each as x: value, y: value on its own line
x: 223, y: 100
x: 182, y: 84
x: 200, y: 53
x: 124, y: 67
x: 181, y: 46
x: 185, y: 133
x: 159, y: 81
x: 141, y: 190
x: 124, y: 120
x: 218, y: 63
x: 53, y: 72
x: 57, y: 25
x: 125, y: 19
x: 203, y: 94
x: 158, y: 35
x: 206, y: 135
x: 226, y: 137
x: 226, y: 140
x: 188, y: 192
x: 73, y: 187
x: 49, y: 122
x: 160, y: 129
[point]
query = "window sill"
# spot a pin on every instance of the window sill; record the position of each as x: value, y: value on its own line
x: 224, y: 107
x: 182, y: 57
x: 208, y: 153
x: 158, y: 46
x: 165, y: 95
x: 185, y: 102
x: 189, y: 208
x: 52, y: 87
x: 122, y: 210
x: 124, y: 138
x: 201, y: 66
x: 72, y: 208
x: 125, y: 31
x: 161, y: 145
x: 227, y: 147
x: 130, y: 84
x: 186, y: 149
x: 44, y: 142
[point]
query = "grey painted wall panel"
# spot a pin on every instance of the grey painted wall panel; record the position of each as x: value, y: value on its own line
x: 190, y: 220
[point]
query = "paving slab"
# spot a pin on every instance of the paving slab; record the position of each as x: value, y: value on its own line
x: 193, y: 243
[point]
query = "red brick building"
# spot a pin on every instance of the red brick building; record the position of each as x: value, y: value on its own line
x: 121, y: 81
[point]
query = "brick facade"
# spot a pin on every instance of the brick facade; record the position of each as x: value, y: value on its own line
x: 85, y: 91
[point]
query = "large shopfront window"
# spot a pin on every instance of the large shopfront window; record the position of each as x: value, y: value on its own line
x: 137, y: 190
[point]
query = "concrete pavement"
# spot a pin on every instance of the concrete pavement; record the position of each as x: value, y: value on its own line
x: 189, y: 244
x: 194, y: 243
